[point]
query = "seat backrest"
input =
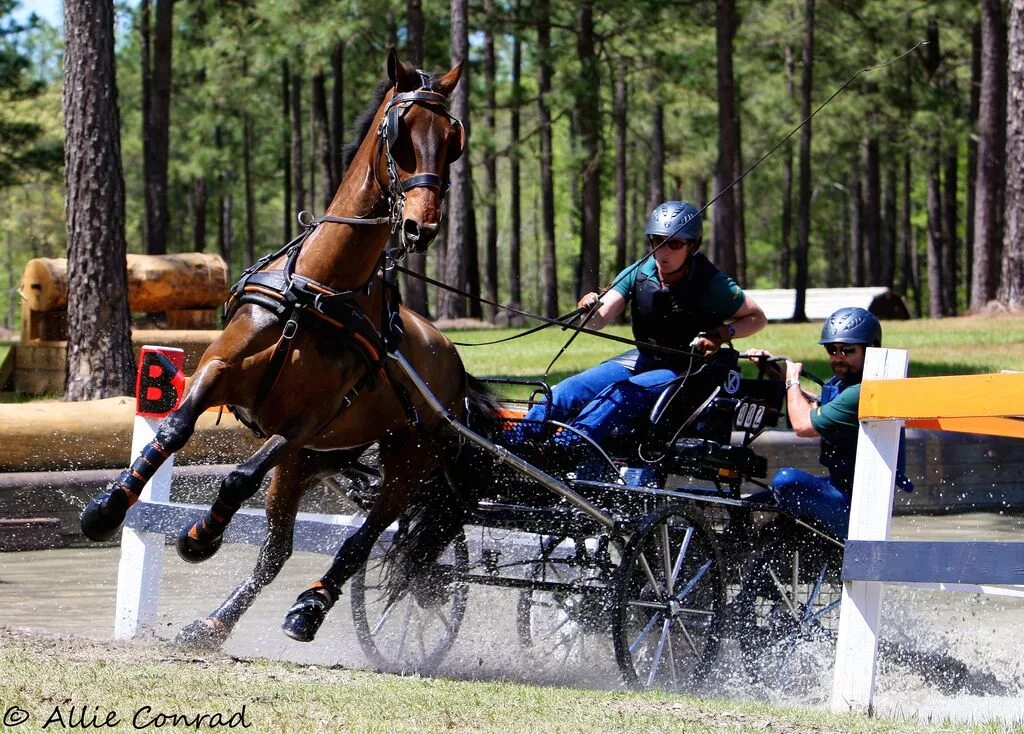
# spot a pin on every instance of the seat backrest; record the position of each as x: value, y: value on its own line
x: 715, y: 401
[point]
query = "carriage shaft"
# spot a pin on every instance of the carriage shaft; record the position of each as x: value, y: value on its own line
x: 500, y: 452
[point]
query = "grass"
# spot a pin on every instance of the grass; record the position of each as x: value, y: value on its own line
x: 967, y: 345
x: 38, y: 675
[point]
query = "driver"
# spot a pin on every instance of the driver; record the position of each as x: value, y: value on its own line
x: 846, y: 335
x: 679, y: 300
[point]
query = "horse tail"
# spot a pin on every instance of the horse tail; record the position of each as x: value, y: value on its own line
x: 484, y: 410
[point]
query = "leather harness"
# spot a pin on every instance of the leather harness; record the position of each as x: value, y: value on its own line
x: 298, y: 301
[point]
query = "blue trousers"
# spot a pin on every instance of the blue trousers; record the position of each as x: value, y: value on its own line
x: 607, y: 399
x: 812, y: 498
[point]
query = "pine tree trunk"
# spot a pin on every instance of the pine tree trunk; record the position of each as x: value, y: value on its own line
x: 490, y: 172
x: 414, y: 290
x: 991, y: 148
x: 872, y: 208
x: 724, y: 212
x: 199, y: 200
x: 1011, y: 293
x: 460, y: 201
x: 785, y: 245
x: 656, y: 173
x: 323, y: 135
x: 287, y: 223
x: 337, y: 113
x: 414, y: 25
x: 908, y: 246
x: 298, y: 185
x: 159, y: 130
x: 856, y: 207
x: 515, y: 244
x: 619, y: 110
x: 250, y: 198
x: 972, y: 159
x: 949, y: 239
x: 145, y: 76
x: 549, y: 256
x: 889, y: 230
x: 588, y: 106
x: 100, y: 360
x: 934, y: 240
x: 803, y: 234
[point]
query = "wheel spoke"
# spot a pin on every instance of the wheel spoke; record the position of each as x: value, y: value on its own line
x: 785, y: 597
x: 387, y: 613
x: 683, y: 547
x: 657, y: 617
x: 693, y: 582
x: 689, y: 639
x: 652, y: 673
x: 656, y: 587
x: 813, y: 596
x: 666, y: 557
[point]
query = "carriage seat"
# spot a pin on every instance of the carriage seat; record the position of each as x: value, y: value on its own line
x: 695, y: 429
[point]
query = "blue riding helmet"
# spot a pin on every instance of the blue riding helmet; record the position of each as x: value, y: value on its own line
x: 852, y: 325
x: 677, y: 219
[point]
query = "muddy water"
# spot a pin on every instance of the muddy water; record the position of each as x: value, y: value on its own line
x: 72, y: 591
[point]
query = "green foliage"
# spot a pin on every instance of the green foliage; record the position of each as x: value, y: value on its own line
x: 227, y: 67
x: 24, y: 146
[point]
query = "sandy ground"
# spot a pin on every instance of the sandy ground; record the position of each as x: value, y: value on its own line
x: 73, y: 591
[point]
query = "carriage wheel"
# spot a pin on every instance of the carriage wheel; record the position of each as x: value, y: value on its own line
x: 412, y: 629
x: 669, y: 603
x: 570, y: 625
x: 787, y: 613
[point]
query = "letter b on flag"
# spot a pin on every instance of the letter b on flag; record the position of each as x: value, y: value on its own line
x: 160, y: 382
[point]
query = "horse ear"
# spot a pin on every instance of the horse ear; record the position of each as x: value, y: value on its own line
x: 393, y: 64
x: 448, y: 82
x: 402, y: 76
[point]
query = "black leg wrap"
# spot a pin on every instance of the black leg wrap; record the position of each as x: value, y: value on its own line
x: 199, y: 542
x: 307, y: 614
x: 103, y: 516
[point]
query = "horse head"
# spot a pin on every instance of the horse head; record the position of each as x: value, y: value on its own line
x: 419, y: 141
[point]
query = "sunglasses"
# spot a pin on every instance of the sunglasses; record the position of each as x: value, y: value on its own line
x: 674, y: 244
x: 847, y: 351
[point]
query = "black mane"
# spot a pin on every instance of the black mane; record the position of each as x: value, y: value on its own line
x: 363, y: 122
x: 362, y: 125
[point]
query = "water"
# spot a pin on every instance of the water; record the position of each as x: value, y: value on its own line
x: 977, y: 641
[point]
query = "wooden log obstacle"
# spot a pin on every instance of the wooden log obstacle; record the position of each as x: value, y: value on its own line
x: 989, y: 404
x: 188, y: 288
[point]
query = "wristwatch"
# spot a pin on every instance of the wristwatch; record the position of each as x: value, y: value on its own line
x: 730, y: 331
x: 790, y: 383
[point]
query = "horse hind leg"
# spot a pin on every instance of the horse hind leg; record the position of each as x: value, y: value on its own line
x: 404, y: 471
x: 204, y: 538
x: 104, y: 514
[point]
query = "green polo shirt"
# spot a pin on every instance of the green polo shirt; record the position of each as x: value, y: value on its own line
x: 837, y: 420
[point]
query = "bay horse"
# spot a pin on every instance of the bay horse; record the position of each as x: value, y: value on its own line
x: 302, y: 359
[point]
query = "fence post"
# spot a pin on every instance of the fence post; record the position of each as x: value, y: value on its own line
x: 158, y: 391
x: 870, y: 513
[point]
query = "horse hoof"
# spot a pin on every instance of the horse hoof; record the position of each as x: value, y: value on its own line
x: 306, y: 615
x: 103, y: 516
x: 208, y: 634
x: 193, y: 550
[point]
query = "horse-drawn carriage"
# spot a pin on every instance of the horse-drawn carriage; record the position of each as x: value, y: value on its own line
x: 663, y: 547
x: 656, y: 545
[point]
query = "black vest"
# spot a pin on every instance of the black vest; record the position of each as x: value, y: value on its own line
x: 672, y: 316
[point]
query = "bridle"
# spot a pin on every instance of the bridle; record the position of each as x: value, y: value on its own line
x: 387, y: 137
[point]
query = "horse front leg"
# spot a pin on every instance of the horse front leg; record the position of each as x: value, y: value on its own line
x: 403, y: 473
x: 104, y: 514
x: 294, y: 476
